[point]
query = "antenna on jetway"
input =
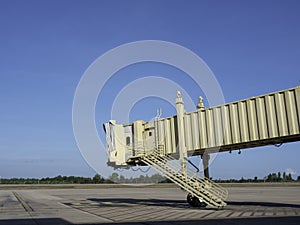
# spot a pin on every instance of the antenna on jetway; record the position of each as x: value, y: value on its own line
x: 158, y: 114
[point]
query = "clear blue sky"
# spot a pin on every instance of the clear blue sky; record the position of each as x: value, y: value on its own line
x: 253, y: 47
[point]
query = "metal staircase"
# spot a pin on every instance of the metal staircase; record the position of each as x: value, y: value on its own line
x: 203, y: 190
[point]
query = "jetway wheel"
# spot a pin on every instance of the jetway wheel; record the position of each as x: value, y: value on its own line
x: 194, y: 201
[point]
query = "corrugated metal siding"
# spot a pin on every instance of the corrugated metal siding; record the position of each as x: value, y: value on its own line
x: 243, y: 121
x: 168, y: 140
x: 174, y: 134
x: 271, y: 118
x: 281, y: 114
x: 218, y: 128
x: 226, y: 125
x: 254, y: 120
x: 297, y: 94
x: 234, y: 123
x: 188, y: 132
x: 161, y: 133
x: 195, y: 130
x: 291, y: 112
x: 202, y: 129
x: 210, y: 128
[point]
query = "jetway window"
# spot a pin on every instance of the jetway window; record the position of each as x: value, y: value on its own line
x: 127, y: 141
x: 150, y: 134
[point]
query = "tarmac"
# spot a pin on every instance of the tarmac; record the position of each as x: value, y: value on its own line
x: 148, y: 205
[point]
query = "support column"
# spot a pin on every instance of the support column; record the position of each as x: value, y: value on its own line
x: 205, y: 162
x: 205, y: 157
x: 181, y: 137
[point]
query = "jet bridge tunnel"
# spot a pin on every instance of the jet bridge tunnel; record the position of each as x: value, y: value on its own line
x: 270, y: 119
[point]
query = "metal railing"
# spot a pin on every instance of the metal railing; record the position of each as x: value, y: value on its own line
x: 205, y: 189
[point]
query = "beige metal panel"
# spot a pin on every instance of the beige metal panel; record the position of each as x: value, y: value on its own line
x: 271, y: 116
x: 281, y: 114
x: 188, y: 132
x: 297, y: 95
x: 243, y: 121
x: 210, y: 128
x: 174, y: 136
x: 202, y: 131
x: 149, y: 138
x: 218, y: 126
x: 261, y: 118
x: 168, y: 135
x: 226, y: 124
x: 234, y: 123
x: 252, y: 118
x: 195, y: 130
x: 118, y: 155
x: 161, y: 133
x: 148, y: 125
x: 291, y: 112
x: 138, y: 128
x: 138, y: 139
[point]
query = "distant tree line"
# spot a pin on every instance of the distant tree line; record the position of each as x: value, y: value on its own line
x: 272, y: 177
x: 155, y: 178
x: 97, y: 179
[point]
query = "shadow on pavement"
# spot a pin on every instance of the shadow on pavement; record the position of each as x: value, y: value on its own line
x: 147, y: 202
x: 179, y: 203
x: 267, y: 204
x: 244, y: 221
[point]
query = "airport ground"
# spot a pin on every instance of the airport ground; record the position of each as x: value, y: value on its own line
x: 148, y: 205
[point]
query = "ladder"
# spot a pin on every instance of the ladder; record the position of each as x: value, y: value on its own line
x: 204, y: 189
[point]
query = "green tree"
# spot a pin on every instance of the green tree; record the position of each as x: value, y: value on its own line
x: 97, y: 179
x: 278, y: 176
x: 289, y: 177
x: 114, y: 177
x: 284, y: 176
x: 122, y: 179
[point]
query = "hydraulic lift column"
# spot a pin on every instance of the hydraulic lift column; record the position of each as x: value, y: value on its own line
x: 181, y: 136
x: 205, y: 162
x: 205, y: 157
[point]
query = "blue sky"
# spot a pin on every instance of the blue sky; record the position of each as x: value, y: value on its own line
x: 253, y: 47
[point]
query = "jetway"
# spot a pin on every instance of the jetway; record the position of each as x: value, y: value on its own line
x: 270, y: 119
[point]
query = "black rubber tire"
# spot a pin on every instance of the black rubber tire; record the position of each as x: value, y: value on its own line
x: 195, y: 202
x: 190, y: 200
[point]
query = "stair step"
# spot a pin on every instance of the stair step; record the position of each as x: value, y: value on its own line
x: 211, y: 193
